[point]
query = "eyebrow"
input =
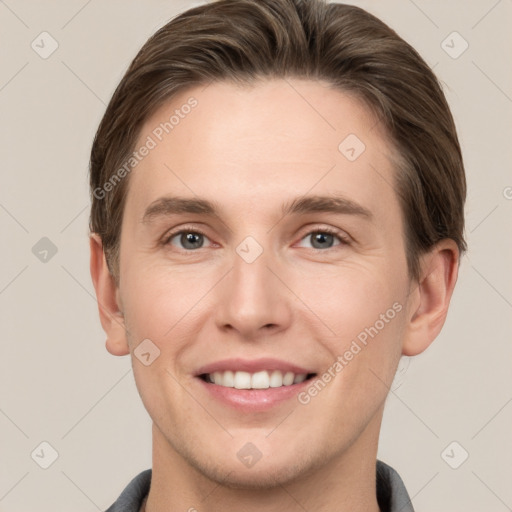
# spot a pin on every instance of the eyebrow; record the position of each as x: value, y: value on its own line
x: 174, y: 205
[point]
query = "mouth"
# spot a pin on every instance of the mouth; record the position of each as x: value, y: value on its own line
x: 264, y: 379
x: 255, y: 385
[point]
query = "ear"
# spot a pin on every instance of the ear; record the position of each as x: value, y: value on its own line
x: 107, y: 295
x: 429, y: 300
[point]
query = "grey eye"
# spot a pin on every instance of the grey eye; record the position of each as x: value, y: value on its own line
x: 189, y: 240
x: 321, y: 240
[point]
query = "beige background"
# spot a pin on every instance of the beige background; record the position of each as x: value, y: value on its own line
x: 58, y: 383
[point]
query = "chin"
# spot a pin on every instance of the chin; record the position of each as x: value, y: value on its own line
x: 264, y: 474
x: 254, y: 479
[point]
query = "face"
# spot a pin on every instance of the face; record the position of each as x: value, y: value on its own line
x: 262, y: 247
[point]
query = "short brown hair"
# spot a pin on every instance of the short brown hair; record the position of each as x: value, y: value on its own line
x: 247, y: 40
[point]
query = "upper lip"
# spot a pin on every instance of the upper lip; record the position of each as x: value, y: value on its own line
x: 251, y: 366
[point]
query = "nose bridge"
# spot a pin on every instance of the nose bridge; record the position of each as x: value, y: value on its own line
x: 254, y: 298
x: 250, y: 270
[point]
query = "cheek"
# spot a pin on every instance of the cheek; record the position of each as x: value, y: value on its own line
x: 350, y: 300
x: 156, y: 319
x: 157, y: 302
x: 363, y: 358
x: 365, y: 316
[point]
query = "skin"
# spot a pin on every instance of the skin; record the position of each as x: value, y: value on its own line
x: 252, y: 149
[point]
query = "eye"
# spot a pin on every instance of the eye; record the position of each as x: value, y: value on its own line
x: 189, y: 239
x: 324, y: 238
x: 192, y: 239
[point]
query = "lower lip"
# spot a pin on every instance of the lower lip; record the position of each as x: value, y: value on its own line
x: 254, y: 400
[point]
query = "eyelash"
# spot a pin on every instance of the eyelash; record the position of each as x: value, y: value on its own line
x: 344, y: 240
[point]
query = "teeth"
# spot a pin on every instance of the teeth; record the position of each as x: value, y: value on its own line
x: 242, y: 380
x: 276, y: 379
x: 288, y: 379
x: 259, y: 380
x: 228, y: 379
x: 300, y: 377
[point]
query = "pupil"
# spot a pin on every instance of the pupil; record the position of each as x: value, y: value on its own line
x: 191, y: 238
x: 323, y: 237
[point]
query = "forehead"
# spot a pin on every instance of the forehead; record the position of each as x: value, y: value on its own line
x: 249, y: 145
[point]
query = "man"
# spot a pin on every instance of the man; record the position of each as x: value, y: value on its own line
x: 277, y: 217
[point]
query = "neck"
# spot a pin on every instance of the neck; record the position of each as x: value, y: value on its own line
x: 347, y: 482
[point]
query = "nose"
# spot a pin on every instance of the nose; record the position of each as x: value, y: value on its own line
x: 253, y: 299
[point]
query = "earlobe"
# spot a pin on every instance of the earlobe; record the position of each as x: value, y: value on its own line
x: 431, y: 297
x: 107, y: 295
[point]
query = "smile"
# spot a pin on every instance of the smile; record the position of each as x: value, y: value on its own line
x: 253, y: 385
x: 259, y: 380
